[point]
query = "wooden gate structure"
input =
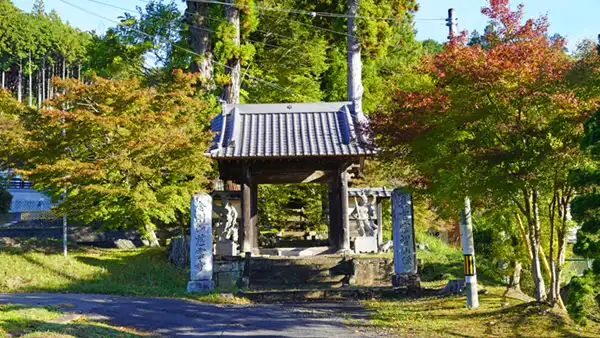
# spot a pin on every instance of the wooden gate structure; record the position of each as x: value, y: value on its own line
x: 291, y: 143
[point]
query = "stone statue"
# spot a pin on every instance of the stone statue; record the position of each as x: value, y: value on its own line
x: 364, y: 213
x: 227, y: 227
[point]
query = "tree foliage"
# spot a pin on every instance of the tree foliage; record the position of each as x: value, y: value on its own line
x: 128, y: 156
x: 288, y: 206
x: 584, y: 297
x: 500, y: 124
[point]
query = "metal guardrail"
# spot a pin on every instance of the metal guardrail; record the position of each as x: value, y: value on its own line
x: 17, y: 183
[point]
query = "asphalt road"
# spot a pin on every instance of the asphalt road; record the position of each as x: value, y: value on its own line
x: 181, y: 318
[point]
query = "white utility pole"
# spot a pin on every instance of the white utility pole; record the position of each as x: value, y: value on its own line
x: 466, y: 229
x: 466, y: 224
x: 64, y: 218
x: 355, y: 88
x: 451, y: 23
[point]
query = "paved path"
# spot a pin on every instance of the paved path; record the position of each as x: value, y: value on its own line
x: 181, y: 318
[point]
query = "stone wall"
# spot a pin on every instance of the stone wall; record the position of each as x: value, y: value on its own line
x: 228, y: 274
x: 372, y: 271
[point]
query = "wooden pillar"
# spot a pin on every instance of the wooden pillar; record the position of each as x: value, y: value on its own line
x: 339, y: 220
x: 334, y: 217
x: 345, y: 235
x: 254, y: 215
x: 245, y: 233
x: 379, y: 211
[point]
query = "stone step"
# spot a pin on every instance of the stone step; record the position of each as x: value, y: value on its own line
x: 318, y: 271
x: 295, y: 286
x: 267, y: 280
x: 295, y: 252
x: 329, y: 294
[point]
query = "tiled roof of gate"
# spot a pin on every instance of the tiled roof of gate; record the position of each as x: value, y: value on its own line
x: 289, y: 130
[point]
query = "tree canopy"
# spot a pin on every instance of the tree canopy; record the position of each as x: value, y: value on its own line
x: 500, y: 124
x: 127, y: 156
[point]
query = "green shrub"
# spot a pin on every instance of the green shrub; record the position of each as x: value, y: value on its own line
x: 5, y: 200
x: 584, y: 297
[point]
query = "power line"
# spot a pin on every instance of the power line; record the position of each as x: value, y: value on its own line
x: 273, y: 85
x: 255, y: 41
x: 114, y: 6
x: 304, y: 12
x: 322, y: 28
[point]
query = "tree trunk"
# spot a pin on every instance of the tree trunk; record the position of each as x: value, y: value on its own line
x: 197, y: 18
x: 64, y: 68
x: 79, y: 71
x: 151, y: 236
x: 554, y: 293
x: 515, y: 277
x: 20, y: 82
x: 231, y: 91
x: 39, y: 88
x: 3, y: 79
x: 562, y: 246
x: 179, y: 251
x: 30, y: 85
x: 534, y: 238
x: 44, y: 95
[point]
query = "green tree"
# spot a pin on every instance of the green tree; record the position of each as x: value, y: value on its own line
x: 584, y: 297
x: 275, y: 201
x: 12, y: 132
x: 128, y: 156
x: 500, y: 125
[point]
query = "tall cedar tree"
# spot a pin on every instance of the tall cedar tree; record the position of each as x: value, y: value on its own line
x: 499, y: 124
x: 129, y: 157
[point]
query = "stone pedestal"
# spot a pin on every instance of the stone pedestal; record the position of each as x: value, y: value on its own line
x: 365, y: 245
x: 411, y: 281
x: 201, y: 254
x: 202, y: 286
x: 226, y: 248
x: 403, y: 231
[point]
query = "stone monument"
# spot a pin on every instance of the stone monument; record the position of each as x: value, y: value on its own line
x: 201, y: 254
x: 227, y: 237
x: 363, y: 213
x: 403, y: 231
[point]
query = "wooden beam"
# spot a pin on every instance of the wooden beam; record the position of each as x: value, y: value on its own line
x: 318, y: 174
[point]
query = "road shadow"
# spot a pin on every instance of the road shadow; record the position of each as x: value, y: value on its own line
x: 15, y: 320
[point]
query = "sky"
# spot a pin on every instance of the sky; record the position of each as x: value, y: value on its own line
x: 575, y: 19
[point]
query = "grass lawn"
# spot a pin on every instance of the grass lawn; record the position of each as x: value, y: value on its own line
x: 498, y: 316
x: 40, y: 267
x: 27, y: 321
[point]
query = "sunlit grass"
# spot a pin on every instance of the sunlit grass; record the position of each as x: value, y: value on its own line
x: 498, y: 316
x: 29, y: 321
x: 139, y: 272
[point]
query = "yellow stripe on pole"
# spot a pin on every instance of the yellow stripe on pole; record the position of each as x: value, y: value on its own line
x: 469, y: 265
